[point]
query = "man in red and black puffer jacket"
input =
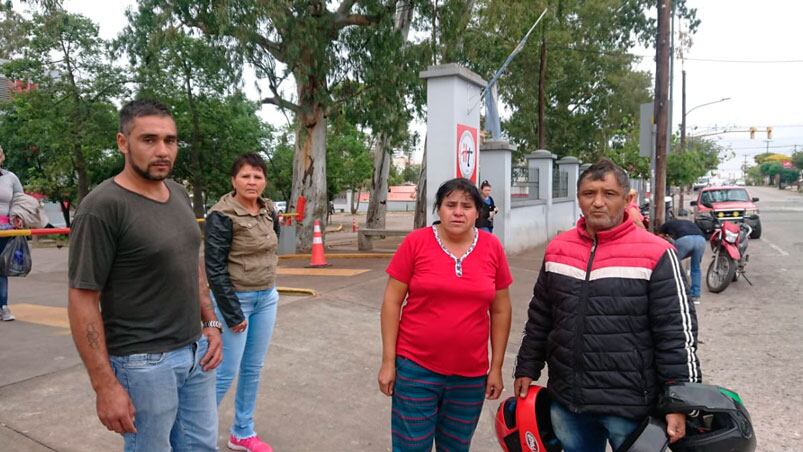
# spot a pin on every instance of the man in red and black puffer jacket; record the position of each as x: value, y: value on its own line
x: 611, y: 316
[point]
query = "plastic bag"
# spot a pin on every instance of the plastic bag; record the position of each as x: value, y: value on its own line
x: 15, y: 260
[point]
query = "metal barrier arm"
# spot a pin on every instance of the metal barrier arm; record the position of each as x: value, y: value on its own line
x: 30, y: 232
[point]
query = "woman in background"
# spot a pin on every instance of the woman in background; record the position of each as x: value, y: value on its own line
x: 9, y: 186
x: 488, y: 209
x: 240, y: 257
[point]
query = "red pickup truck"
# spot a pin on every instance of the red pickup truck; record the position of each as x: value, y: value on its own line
x: 728, y: 203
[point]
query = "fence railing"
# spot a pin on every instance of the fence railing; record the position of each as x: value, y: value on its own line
x: 560, y: 184
x: 524, y: 183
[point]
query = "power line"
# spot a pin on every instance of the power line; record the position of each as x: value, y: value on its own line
x: 715, y: 60
x: 704, y: 60
x: 779, y: 146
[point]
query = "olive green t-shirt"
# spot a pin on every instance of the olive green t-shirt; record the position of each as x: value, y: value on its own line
x: 142, y: 256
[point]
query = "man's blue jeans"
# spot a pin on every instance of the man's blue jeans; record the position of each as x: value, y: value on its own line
x: 585, y: 432
x: 173, y: 397
x: 692, y: 246
x: 245, y: 353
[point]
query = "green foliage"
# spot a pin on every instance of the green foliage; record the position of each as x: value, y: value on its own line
x: 348, y: 159
x: 60, y: 136
x: 592, y: 93
x: 226, y: 128
x: 12, y: 30
x: 384, y: 91
x: 789, y: 175
x: 279, y: 157
x: 198, y: 79
x: 624, y: 151
x: 755, y: 176
x: 797, y: 160
x: 770, y: 168
x: 40, y: 152
x: 702, y: 156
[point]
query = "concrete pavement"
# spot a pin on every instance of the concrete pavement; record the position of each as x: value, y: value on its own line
x: 319, y: 387
x: 318, y: 390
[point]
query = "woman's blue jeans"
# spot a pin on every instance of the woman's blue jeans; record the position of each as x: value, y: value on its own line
x: 244, y: 353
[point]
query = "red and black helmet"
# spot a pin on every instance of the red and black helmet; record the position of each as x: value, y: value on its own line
x: 524, y: 424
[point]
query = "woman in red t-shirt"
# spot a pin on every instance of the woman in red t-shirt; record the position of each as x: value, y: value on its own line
x: 454, y: 279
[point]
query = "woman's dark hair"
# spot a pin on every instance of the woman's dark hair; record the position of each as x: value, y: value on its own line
x: 484, y: 184
x: 250, y: 159
x: 602, y: 168
x: 458, y: 184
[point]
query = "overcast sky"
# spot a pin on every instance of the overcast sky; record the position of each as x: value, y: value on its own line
x: 763, y: 81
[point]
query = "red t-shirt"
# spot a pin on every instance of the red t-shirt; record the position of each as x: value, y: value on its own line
x: 445, y: 324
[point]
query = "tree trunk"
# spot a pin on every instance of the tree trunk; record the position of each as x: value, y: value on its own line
x: 420, y: 219
x: 80, y: 169
x: 309, y: 170
x: 378, y: 201
x: 378, y: 191
x: 542, y: 92
x: 195, y: 153
x: 355, y: 200
x: 65, y: 211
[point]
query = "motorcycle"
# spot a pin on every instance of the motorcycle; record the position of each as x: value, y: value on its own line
x: 729, y: 241
x: 645, y: 211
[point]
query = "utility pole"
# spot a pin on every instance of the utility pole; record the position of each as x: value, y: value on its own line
x: 681, y: 209
x: 661, y: 110
x: 683, y: 119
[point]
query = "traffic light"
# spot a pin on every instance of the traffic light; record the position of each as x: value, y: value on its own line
x: 752, y: 133
x: 769, y: 133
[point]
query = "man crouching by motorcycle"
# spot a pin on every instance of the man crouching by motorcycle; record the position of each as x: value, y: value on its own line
x: 689, y: 240
x: 610, y: 316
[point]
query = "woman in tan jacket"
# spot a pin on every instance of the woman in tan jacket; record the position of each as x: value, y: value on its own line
x: 240, y: 257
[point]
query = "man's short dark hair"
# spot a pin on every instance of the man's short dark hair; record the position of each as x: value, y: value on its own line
x: 139, y: 108
x: 250, y: 159
x: 603, y: 167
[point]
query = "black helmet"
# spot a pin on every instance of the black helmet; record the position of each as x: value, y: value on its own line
x: 716, y: 418
x: 650, y: 436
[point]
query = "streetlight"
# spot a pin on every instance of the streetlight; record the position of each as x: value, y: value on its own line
x: 708, y: 103
x: 685, y: 113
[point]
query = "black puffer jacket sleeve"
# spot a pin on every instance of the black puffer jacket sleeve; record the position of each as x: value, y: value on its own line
x: 532, y: 353
x: 673, y: 323
x: 217, y: 243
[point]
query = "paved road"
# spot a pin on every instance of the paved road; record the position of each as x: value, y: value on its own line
x: 753, y: 335
x: 319, y: 390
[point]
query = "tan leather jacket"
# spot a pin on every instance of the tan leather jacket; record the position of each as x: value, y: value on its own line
x: 246, y: 242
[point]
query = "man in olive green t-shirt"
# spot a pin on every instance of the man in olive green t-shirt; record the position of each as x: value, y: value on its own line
x: 140, y: 315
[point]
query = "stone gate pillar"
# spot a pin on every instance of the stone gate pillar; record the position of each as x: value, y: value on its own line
x: 497, y: 157
x: 453, y: 125
x: 571, y: 166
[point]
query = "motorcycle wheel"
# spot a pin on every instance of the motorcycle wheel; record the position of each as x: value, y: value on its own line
x: 720, y: 272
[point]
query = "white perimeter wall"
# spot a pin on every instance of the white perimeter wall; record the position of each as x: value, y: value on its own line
x: 533, y: 223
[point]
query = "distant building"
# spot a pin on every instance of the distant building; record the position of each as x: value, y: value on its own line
x: 395, y: 193
x: 9, y: 87
x: 6, y: 88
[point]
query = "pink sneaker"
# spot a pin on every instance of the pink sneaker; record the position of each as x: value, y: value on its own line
x: 250, y: 444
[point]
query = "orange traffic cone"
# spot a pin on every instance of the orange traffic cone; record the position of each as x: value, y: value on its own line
x: 354, y: 227
x: 318, y: 259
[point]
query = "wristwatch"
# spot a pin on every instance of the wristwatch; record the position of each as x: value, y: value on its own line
x: 213, y: 324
